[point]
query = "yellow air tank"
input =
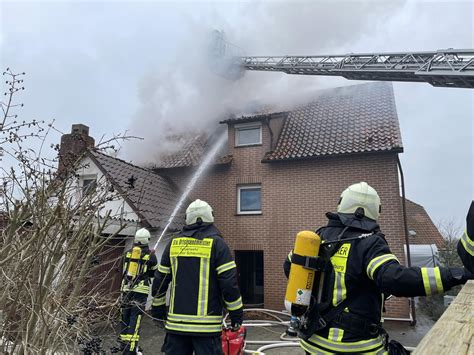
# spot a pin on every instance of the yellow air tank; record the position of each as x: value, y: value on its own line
x: 133, y: 264
x: 300, y: 281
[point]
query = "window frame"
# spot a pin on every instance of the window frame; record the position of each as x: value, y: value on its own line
x: 85, y: 190
x: 247, y: 126
x: 248, y: 187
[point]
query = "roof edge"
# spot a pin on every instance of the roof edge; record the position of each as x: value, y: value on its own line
x: 253, y: 118
x: 90, y: 154
x: 397, y: 150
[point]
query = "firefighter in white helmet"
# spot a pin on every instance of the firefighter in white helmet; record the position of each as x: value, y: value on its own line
x: 139, y: 268
x: 360, y: 271
x: 203, y: 277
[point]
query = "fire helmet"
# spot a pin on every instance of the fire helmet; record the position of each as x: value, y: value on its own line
x: 358, y: 198
x: 199, y: 210
x: 142, y: 236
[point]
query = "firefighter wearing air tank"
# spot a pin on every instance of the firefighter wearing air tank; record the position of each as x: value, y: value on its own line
x: 354, y: 272
x: 139, y: 267
x: 199, y: 265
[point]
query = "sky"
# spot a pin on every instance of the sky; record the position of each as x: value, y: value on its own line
x: 142, y: 68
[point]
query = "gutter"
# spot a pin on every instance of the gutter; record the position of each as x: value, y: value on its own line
x: 396, y: 150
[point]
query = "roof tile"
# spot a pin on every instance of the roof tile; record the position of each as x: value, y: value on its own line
x: 153, y: 196
x: 353, y: 119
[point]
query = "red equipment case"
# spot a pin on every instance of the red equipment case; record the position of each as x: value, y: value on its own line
x: 233, y: 343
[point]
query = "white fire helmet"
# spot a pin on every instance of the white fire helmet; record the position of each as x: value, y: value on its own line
x: 199, y: 210
x: 360, y: 195
x: 142, y: 236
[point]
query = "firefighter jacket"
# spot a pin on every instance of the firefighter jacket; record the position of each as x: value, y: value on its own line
x: 362, y: 271
x: 203, y: 277
x: 466, y: 243
x: 146, y: 270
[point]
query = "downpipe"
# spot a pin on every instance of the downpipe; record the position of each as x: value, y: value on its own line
x: 407, y: 241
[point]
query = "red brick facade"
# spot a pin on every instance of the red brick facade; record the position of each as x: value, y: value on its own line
x: 295, y: 197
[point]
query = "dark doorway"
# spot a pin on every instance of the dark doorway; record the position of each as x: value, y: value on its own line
x: 250, y: 275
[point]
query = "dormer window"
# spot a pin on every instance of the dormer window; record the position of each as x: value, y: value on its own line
x: 88, y: 184
x: 248, y: 134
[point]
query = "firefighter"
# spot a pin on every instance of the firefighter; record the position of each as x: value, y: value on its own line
x: 139, y: 267
x: 360, y: 271
x: 203, y: 277
x: 466, y: 244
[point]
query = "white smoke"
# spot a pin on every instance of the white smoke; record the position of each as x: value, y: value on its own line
x: 186, y: 96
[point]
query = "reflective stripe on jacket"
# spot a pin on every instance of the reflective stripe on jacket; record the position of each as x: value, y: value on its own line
x: 198, y: 266
x: 466, y: 243
x: 363, y: 271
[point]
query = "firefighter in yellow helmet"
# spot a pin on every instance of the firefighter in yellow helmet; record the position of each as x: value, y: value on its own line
x: 466, y: 243
x: 202, y: 272
x: 360, y: 271
x: 139, y: 268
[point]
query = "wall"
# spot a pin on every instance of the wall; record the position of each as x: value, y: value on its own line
x: 118, y: 207
x: 295, y: 196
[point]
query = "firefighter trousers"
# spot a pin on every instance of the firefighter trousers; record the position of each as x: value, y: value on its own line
x: 185, y: 345
x: 132, y: 307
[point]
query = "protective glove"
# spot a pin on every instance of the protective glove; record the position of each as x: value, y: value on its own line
x: 460, y: 275
x: 236, y: 319
x: 159, y: 314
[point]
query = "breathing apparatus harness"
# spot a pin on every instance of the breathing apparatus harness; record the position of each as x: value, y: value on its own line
x: 319, y: 315
x: 134, y: 267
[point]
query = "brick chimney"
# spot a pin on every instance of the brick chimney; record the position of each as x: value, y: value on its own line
x: 73, y: 145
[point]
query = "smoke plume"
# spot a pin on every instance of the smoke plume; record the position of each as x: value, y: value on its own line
x: 186, y: 96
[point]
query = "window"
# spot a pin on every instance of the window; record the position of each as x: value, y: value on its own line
x: 248, y: 134
x: 88, y: 185
x: 249, y: 199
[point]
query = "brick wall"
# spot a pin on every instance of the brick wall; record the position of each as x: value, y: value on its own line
x: 295, y: 197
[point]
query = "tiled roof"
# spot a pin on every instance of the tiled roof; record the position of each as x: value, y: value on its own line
x: 150, y: 195
x: 192, y: 152
x: 352, y: 119
x: 419, y: 222
x: 189, y: 155
x: 253, y: 118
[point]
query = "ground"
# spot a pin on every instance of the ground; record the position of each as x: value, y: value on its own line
x: 152, y: 336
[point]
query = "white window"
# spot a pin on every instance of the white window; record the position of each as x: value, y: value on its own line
x: 249, y: 199
x: 88, y: 184
x: 248, y: 134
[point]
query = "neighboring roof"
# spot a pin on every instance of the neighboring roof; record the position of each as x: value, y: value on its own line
x: 191, y: 154
x: 346, y: 120
x: 151, y: 196
x: 420, y: 222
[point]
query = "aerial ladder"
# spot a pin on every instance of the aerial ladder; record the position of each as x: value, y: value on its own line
x: 453, y: 68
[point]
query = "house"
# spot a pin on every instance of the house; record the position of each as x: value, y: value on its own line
x: 138, y: 197
x: 275, y: 175
x: 424, y: 238
x: 421, y: 228
x: 282, y: 171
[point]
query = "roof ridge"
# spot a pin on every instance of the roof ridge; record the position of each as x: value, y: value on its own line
x: 406, y: 199
x: 93, y: 150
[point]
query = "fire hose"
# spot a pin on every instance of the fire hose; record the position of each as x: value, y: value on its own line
x: 285, y: 340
